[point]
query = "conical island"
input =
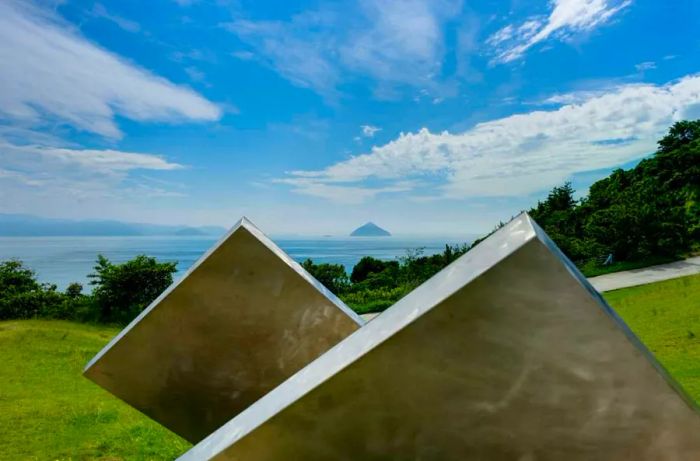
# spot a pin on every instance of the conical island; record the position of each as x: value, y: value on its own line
x: 370, y: 230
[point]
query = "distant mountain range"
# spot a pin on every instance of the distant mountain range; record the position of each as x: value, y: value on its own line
x: 370, y: 230
x: 18, y: 225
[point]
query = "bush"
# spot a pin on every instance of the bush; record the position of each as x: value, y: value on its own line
x: 365, y: 300
x: 332, y: 276
x: 22, y: 297
x: 370, y: 266
x: 15, y: 278
x: 122, y: 291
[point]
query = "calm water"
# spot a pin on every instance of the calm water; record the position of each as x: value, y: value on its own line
x: 62, y: 260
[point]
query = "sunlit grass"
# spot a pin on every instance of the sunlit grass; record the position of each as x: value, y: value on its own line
x: 666, y: 317
x: 48, y: 411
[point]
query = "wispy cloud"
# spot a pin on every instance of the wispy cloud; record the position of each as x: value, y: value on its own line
x: 566, y: 18
x: 195, y: 74
x: 58, y: 75
x: 644, y: 66
x: 339, y: 193
x: 368, y: 131
x: 35, y: 175
x: 520, y: 154
x: 299, y: 49
x: 243, y: 55
x: 99, y: 11
x: 38, y: 160
x: 392, y: 42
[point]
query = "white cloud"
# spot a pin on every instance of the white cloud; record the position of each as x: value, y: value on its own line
x: 393, y: 42
x: 520, y: 154
x: 41, y: 179
x: 567, y: 17
x: 350, y: 195
x: 106, y: 161
x: 53, y: 73
x: 368, y: 131
x: 299, y: 49
x: 195, y: 74
x: 99, y: 11
x: 21, y: 178
x: 402, y: 41
x: 579, y: 96
x: 646, y: 65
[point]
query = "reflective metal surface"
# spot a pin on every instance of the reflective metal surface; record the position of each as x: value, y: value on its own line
x: 507, y: 354
x: 241, y: 321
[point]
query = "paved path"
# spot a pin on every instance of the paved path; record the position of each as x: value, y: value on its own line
x: 634, y: 277
x: 650, y: 274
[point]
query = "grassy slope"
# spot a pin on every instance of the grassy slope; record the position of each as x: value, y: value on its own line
x: 48, y: 411
x: 666, y: 317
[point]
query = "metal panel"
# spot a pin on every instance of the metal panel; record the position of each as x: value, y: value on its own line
x: 507, y: 354
x: 241, y: 321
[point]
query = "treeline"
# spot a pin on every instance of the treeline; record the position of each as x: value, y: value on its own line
x: 374, y: 284
x: 120, y: 292
x: 638, y: 216
x: 633, y: 218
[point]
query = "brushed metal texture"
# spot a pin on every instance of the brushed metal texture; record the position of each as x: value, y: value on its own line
x: 241, y: 321
x: 506, y: 354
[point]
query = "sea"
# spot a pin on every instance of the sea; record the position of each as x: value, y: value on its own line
x: 63, y: 260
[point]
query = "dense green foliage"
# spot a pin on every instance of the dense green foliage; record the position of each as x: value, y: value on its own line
x: 121, y: 292
x: 22, y: 297
x: 647, y: 213
x: 375, y: 285
x: 332, y: 276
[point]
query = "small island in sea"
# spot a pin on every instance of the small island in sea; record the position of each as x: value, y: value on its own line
x: 370, y: 230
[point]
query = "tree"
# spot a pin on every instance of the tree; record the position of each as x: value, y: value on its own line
x: 122, y: 291
x: 15, y: 278
x: 22, y: 297
x: 332, y: 276
x: 558, y: 216
x: 74, y: 290
x: 681, y: 133
x: 369, y: 265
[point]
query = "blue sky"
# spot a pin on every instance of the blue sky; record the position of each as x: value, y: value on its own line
x: 425, y: 116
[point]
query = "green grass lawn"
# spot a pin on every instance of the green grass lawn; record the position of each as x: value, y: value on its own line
x: 48, y: 411
x: 666, y: 317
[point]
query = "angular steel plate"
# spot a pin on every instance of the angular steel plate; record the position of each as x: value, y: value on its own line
x: 507, y: 354
x: 241, y: 321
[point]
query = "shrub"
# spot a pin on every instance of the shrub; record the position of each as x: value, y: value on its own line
x: 368, y: 266
x: 374, y: 300
x: 332, y: 276
x: 122, y: 291
x: 22, y: 297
